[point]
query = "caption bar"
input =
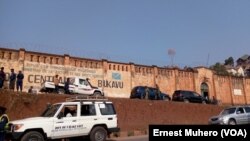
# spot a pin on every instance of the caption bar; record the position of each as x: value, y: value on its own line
x: 198, y: 132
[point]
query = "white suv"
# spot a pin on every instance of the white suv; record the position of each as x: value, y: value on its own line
x: 79, y: 116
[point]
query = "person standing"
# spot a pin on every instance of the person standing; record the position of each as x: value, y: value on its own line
x: 2, y: 77
x: 19, y: 81
x: 157, y: 93
x: 31, y: 90
x: 146, y: 92
x: 12, y: 79
x: 4, y: 120
x: 66, y: 86
x: 56, y: 82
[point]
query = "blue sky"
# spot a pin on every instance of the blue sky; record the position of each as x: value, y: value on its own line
x: 201, y: 32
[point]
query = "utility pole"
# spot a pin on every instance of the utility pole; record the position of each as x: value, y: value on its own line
x: 171, y: 53
x: 207, y: 60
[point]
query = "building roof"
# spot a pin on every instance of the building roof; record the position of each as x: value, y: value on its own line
x: 244, y: 57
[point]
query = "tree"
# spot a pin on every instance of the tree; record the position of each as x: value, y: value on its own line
x: 219, y: 69
x: 229, y: 61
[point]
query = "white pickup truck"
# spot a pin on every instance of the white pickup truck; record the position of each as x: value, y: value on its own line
x: 78, y: 85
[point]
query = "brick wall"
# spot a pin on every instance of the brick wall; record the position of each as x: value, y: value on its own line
x: 117, y: 78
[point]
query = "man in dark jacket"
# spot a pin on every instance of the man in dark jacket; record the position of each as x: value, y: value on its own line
x: 66, y: 86
x: 4, y: 120
x: 56, y: 82
x: 2, y: 77
x: 19, y: 81
x: 12, y: 79
x: 157, y: 93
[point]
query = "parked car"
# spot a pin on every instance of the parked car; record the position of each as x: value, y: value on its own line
x: 188, y: 96
x: 140, y: 92
x: 232, y: 115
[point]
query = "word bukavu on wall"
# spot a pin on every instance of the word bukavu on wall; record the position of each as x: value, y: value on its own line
x: 101, y: 83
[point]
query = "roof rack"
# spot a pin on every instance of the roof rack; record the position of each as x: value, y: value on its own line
x: 86, y: 98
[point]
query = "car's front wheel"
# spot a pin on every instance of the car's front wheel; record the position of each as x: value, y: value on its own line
x: 231, y: 122
x: 98, y: 134
x: 97, y: 93
x: 33, y: 136
x: 165, y: 98
x: 186, y: 100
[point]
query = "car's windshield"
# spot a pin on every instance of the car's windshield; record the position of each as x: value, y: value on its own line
x: 51, y: 110
x: 228, y: 111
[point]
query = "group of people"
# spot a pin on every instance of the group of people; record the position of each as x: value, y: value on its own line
x: 15, y: 80
x: 66, y: 84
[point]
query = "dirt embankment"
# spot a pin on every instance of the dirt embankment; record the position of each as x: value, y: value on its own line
x: 133, y: 114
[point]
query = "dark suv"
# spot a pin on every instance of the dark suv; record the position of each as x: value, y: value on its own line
x: 188, y: 96
x: 139, y: 92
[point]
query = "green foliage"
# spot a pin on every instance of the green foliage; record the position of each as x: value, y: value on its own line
x: 219, y: 69
x: 229, y: 61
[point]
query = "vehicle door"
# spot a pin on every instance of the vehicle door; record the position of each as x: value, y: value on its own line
x: 66, y: 125
x: 107, y: 114
x: 152, y: 93
x: 247, y: 110
x: 197, y: 98
x: 141, y: 92
x: 241, y: 117
x: 84, y: 87
x: 88, y: 117
x: 190, y: 96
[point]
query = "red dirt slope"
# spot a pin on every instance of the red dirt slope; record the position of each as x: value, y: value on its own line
x: 133, y: 114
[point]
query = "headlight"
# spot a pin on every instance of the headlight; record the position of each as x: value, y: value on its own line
x: 17, y: 126
x: 220, y: 118
x: 223, y: 120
